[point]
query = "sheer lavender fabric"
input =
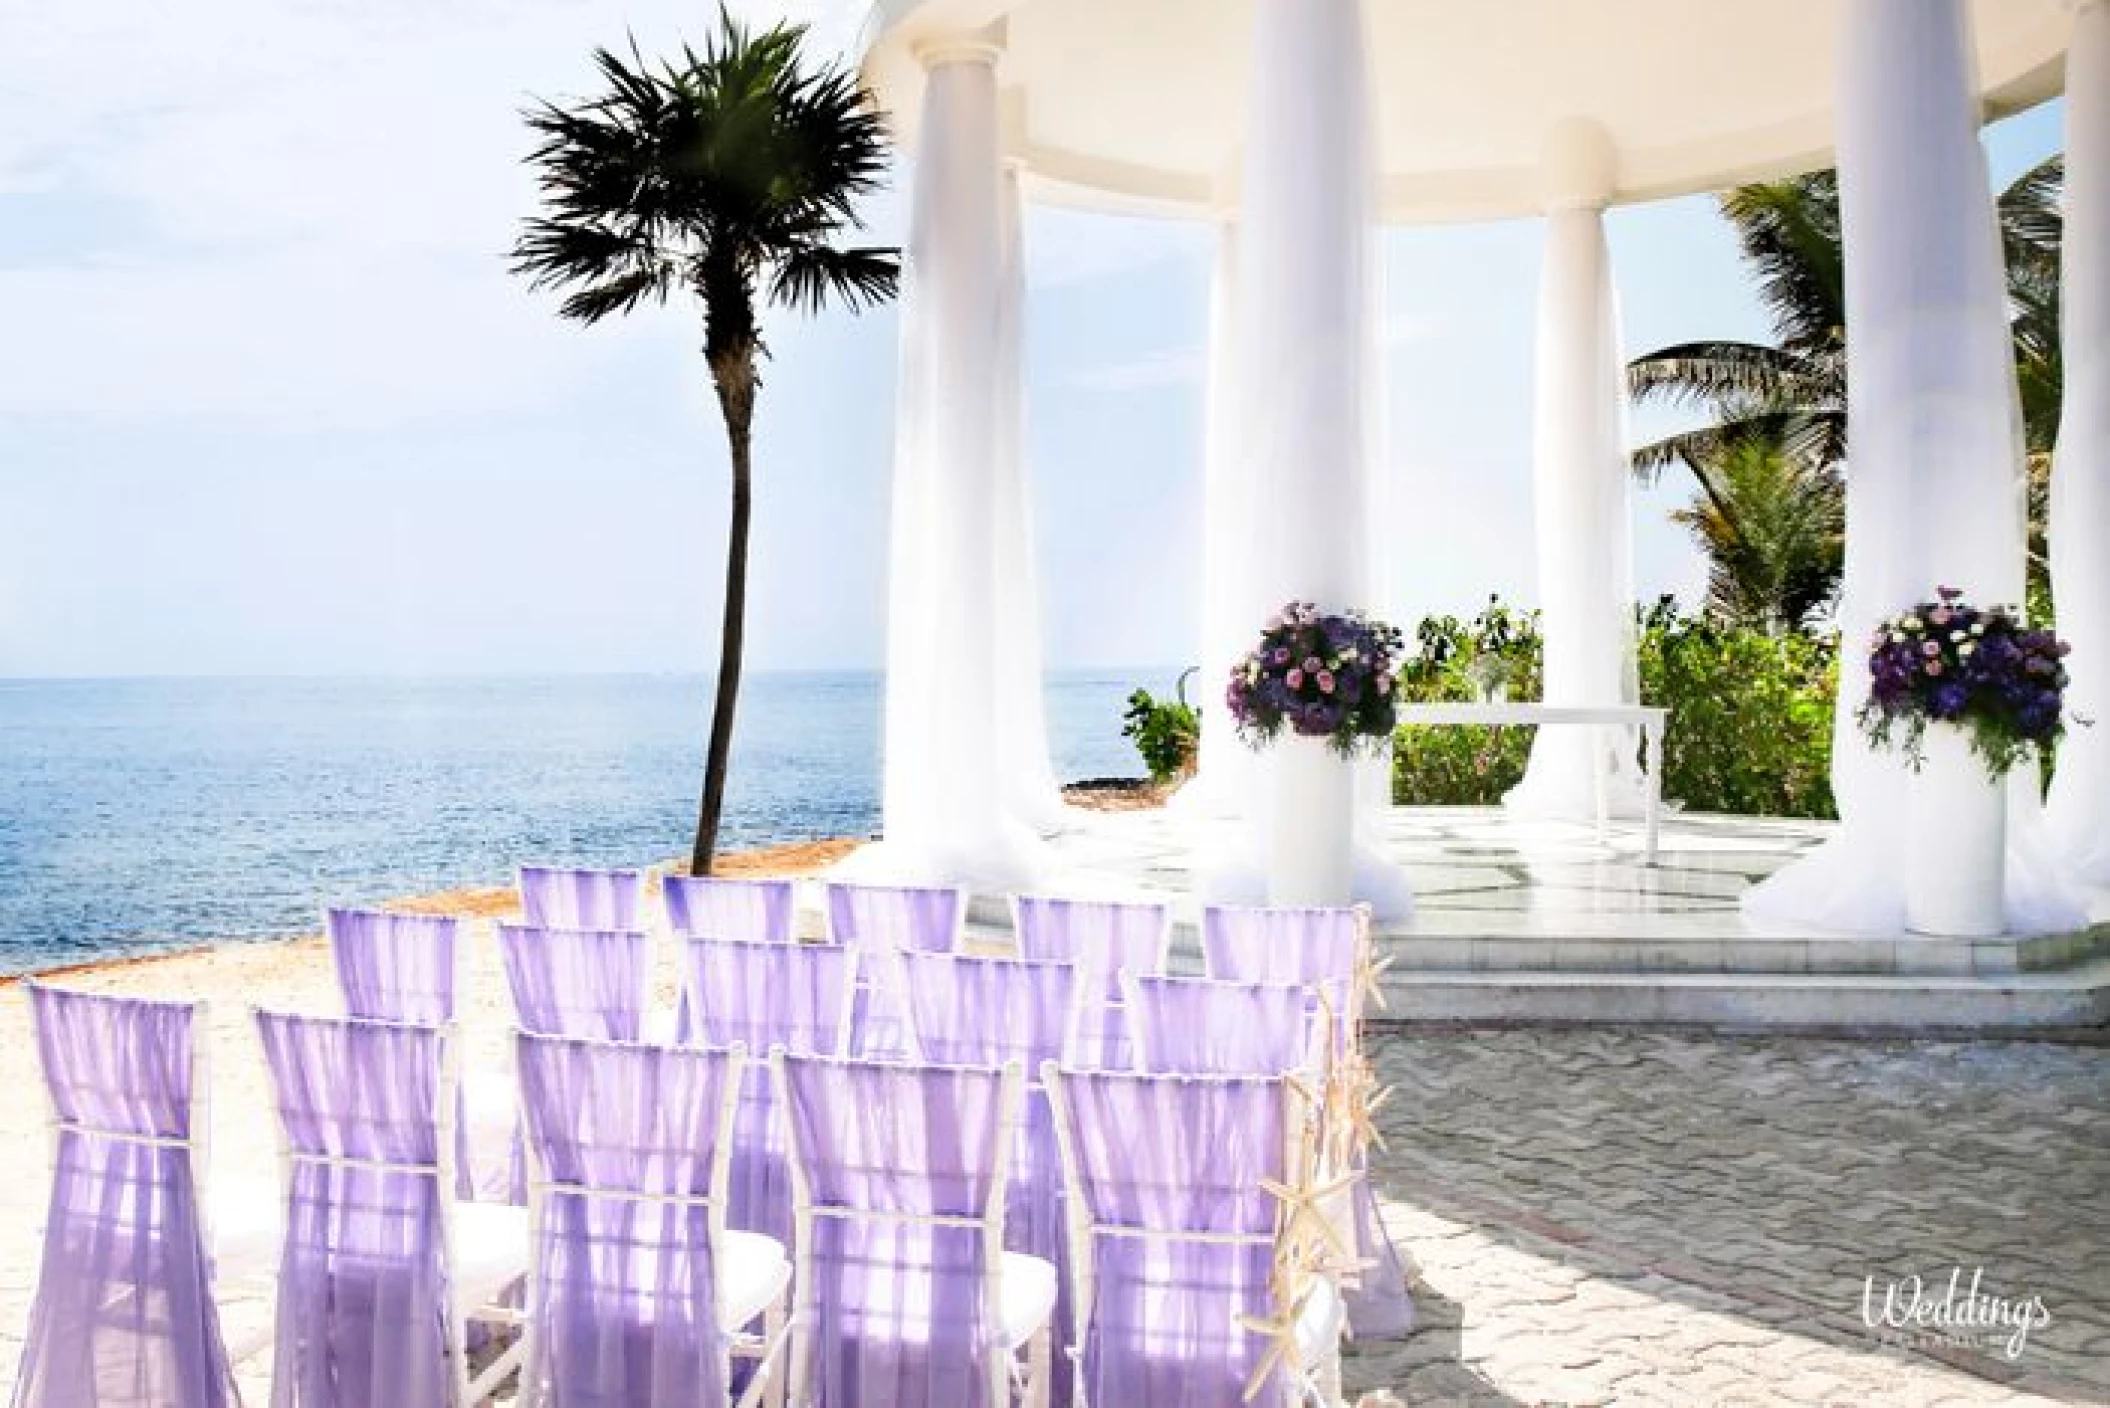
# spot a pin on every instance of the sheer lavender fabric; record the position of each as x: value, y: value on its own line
x: 985, y: 1012
x: 1161, y: 1156
x: 578, y: 982
x: 1319, y: 947
x: 625, y: 1288
x: 881, y: 921
x: 1105, y: 938
x: 706, y: 908
x: 560, y: 898
x: 405, y: 968
x: 396, y: 967
x: 895, y: 1312
x: 1203, y: 1027
x: 363, y: 1315
x: 123, y: 1314
x: 765, y: 996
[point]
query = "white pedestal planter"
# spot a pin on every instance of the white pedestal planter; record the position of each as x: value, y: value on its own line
x: 1956, y: 837
x: 1310, y: 823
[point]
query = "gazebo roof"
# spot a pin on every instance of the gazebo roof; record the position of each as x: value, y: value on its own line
x: 1138, y: 105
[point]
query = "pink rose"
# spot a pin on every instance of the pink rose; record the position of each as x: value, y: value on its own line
x: 1325, y: 681
x: 1295, y: 679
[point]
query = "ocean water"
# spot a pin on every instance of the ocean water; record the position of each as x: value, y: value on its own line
x: 138, y: 815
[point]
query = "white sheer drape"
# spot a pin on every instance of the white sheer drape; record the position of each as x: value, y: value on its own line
x: 1026, y: 774
x: 2079, y: 808
x: 1580, y: 484
x: 1295, y: 407
x: 1232, y: 606
x: 1935, y: 493
x: 955, y: 798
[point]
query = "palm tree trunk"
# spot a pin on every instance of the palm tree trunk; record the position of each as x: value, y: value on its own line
x: 734, y: 375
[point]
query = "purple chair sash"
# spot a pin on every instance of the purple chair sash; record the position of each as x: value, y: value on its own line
x: 578, y: 982
x: 558, y: 897
x: 895, y: 1311
x: 123, y: 1310
x: 627, y: 1143
x: 705, y: 907
x: 1202, y: 1027
x: 1105, y: 938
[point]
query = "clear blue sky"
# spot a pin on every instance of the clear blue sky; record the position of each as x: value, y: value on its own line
x: 270, y: 403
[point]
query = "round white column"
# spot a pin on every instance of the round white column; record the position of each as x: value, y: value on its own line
x: 2078, y: 810
x: 946, y: 817
x: 1231, y: 606
x: 1934, y: 488
x: 1300, y: 316
x: 1028, y: 788
x: 1581, y: 489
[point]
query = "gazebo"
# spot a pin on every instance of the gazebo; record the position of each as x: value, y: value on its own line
x: 1299, y: 128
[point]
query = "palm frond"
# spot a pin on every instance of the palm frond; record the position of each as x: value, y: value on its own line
x: 809, y: 279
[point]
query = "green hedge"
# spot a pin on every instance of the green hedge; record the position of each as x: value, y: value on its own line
x: 1750, y: 713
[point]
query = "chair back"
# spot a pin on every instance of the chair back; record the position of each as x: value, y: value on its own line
x: 561, y: 897
x: 588, y: 983
x: 1321, y: 948
x: 899, y: 1175
x: 705, y: 907
x: 1203, y: 1027
x: 897, y: 918
x: 396, y: 967
x: 1177, y: 1235
x: 1105, y: 938
x: 766, y: 996
x: 123, y: 1302
x: 628, y: 1148
x: 365, y: 1310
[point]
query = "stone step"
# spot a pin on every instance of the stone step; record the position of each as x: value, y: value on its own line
x: 2075, y: 997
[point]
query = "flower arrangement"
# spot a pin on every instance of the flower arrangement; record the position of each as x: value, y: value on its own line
x: 1320, y: 676
x: 1978, y: 668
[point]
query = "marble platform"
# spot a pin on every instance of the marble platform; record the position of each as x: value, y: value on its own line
x: 1538, y: 921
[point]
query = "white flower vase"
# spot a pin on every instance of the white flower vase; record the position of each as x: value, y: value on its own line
x: 1310, y: 823
x: 1956, y: 832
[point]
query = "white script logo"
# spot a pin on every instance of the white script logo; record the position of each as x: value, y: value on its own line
x: 1953, y: 1312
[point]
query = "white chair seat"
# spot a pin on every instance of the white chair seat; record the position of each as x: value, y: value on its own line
x: 490, y: 1250
x: 1029, y: 1297
x: 753, y: 1271
x: 1319, y: 1326
x: 248, y: 1228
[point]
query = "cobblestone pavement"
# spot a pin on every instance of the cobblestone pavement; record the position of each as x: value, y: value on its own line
x: 1602, y: 1216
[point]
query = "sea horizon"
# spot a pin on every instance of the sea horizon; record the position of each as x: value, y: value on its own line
x: 140, y: 814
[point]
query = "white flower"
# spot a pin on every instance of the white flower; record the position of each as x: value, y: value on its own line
x: 1966, y: 648
x: 1913, y: 623
x: 1956, y: 635
x: 1897, y: 637
x: 1978, y: 628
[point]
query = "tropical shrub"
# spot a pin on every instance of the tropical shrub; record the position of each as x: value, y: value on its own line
x: 1750, y: 724
x: 1167, y: 732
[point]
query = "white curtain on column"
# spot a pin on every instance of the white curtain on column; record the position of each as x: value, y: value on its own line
x: 1232, y: 605
x: 2079, y: 810
x: 1581, y: 487
x: 1935, y: 490
x: 1026, y: 778
x: 1303, y: 296
x: 949, y: 812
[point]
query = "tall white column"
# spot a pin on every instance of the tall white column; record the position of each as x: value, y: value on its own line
x: 1302, y: 300
x: 1935, y: 493
x: 2079, y: 806
x: 1232, y: 606
x: 947, y: 817
x: 1581, y: 489
x: 1029, y: 790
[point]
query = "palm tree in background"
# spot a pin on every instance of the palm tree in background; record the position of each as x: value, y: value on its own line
x: 1772, y: 526
x: 732, y: 176
x: 1786, y: 401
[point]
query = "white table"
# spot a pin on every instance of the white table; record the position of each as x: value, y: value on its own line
x: 1650, y: 719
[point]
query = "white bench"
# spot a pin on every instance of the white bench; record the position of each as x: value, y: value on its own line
x: 1599, y: 719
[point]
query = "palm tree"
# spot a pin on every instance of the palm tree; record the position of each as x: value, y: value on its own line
x: 1773, y: 528
x: 731, y: 176
x: 1789, y: 399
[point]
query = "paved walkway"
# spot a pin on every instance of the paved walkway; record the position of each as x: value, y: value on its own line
x: 1626, y: 1217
